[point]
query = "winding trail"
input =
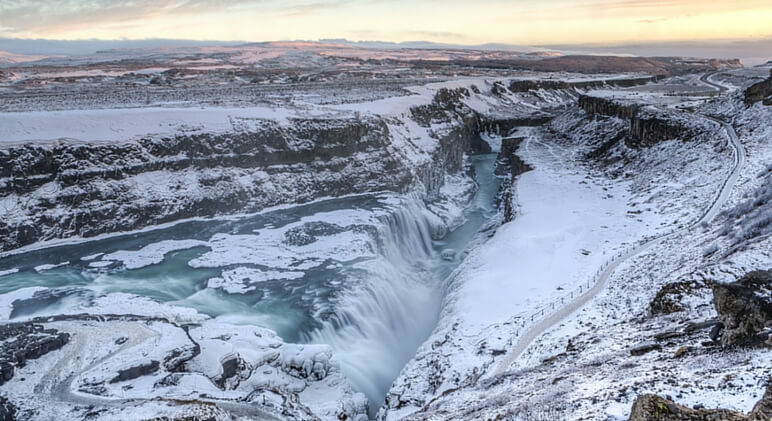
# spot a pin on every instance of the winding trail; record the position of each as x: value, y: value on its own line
x: 718, y: 201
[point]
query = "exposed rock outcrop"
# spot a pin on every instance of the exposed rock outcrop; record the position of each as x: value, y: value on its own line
x: 657, y: 408
x: 20, y: 342
x: 648, y: 125
x: 595, y: 105
x: 87, y: 189
x: 7, y: 410
x: 669, y: 297
x: 509, y: 162
x: 745, y: 309
x: 508, y: 157
x: 136, y: 371
x: 531, y: 85
x: 761, y: 91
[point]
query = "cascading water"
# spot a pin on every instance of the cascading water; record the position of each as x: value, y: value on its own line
x: 377, y: 329
x: 363, y: 274
x: 378, y: 326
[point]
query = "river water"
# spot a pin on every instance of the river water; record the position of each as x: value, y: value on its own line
x: 363, y: 274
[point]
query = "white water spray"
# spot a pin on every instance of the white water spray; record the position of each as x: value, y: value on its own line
x: 377, y: 328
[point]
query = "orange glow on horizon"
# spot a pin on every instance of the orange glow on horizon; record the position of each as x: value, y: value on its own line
x: 452, y: 21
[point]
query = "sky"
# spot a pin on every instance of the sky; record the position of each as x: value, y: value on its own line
x: 463, y: 22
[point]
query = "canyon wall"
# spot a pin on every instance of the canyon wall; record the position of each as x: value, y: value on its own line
x: 647, y: 125
x: 761, y: 91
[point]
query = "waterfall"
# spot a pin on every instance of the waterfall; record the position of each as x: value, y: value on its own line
x: 378, y: 325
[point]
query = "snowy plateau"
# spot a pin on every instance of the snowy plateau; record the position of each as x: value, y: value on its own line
x: 314, y: 231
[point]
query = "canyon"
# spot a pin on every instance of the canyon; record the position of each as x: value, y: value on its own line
x: 232, y: 233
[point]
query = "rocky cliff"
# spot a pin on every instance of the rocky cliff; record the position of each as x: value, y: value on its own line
x: 761, y: 91
x: 647, y: 125
x: 70, y: 189
x: 509, y: 163
x: 530, y: 85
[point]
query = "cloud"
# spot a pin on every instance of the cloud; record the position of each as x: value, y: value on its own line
x: 54, y: 16
x: 432, y: 35
x: 312, y: 8
x: 551, y: 21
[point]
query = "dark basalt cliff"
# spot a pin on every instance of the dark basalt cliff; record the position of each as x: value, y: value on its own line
x: 511, y: 163
x: 761, y: 91
x: 88, y: 189
x: 594, y: 105
x: 530, y: 85
x: 648, y: 126
x: 27, y: 167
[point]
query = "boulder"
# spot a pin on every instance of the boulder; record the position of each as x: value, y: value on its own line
x: 745, y: 310
x: 644, y: 349
x: 763, y: 408
x: 669, y: 297
x: 137, y: 371
x: 656, y: 408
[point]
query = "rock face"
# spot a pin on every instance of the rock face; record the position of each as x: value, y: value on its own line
x: 509, y: 159
x: 656, y: 408
x: 531, y: 85
x: 510, y: 162
x: 761, y: 91
x: 745, y: 309
x: 20, y: 342
x: 594, y: 105
x: 7, y: 410
x: 763, y: 408
x: 648, y: 126
x: 65, y: 190
x: 136, y: 371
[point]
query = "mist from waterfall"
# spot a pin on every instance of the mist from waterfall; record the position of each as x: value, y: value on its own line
x: 377, y: 327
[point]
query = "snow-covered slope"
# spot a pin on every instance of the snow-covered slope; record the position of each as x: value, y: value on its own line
x: 594, y: 362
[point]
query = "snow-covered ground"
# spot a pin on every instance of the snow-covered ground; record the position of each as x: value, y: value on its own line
x: 589, y: 197
x: 582, y: 367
